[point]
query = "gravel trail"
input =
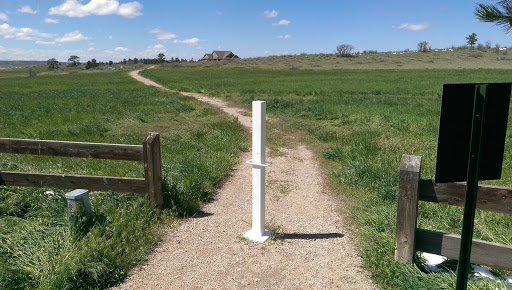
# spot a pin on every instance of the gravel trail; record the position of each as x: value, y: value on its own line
x: 314, y: 248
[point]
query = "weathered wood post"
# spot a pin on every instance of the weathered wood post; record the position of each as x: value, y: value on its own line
x: 407, y: 210
x: 153, y: 169
x: 258, y: 162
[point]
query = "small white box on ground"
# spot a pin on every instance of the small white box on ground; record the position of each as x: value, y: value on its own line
x: 79, y: 196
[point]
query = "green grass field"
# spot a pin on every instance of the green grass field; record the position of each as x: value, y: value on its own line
x: 358, y: 114
x: 39, y: 247
x: 361, y: 122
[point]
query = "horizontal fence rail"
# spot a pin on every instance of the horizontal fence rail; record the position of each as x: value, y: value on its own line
x: 489, y: 198
x: 97, y: 183
x: 409, y: 238
x: 148, y: 153
x: 71, y: 149
x: 448, y: 245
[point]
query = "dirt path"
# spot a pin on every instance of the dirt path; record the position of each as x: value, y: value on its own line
x: 314, y: 249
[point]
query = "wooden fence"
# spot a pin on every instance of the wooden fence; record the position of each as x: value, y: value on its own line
x: 148, y: 153
x: 411, y: 189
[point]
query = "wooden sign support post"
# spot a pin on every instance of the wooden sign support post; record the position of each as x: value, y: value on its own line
x: 475, y: 150
x: 257, y: 232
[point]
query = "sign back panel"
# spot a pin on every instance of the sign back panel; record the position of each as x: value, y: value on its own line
x: 455, y: 131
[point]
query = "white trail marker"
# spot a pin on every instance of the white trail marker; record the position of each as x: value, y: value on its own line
x: 258, y: 233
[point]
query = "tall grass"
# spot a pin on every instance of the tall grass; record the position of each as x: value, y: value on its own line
x: 42, y: 244
x: 323, y: 83
x: 363, y: 121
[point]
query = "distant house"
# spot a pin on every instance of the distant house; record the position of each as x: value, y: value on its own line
x: 220, y: 55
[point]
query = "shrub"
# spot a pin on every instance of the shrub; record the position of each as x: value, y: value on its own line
x: 423, y: 46
x: 32, y: 72
x: 476, y: 54
x: 344, y: 50
x: 91, y: 64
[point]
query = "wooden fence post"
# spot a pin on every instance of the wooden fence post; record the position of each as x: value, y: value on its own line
x: 407, y: 210
x: 152, y: 169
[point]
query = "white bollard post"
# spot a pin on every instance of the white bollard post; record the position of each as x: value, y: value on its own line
x: 258, y: 162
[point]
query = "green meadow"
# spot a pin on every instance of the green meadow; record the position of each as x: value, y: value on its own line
x: 45, y: 246
x: 360, y: 122
x: 357, y: 119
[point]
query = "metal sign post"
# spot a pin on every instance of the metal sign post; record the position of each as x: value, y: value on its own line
x: 258, y: 233
x: 475, y: 150
x: 472, y: 131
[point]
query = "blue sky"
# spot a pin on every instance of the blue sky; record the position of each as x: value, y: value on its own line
x: 117, y: 29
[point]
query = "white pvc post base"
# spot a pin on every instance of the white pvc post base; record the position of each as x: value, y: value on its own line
x: 258, y: 233
x: 256, y: 236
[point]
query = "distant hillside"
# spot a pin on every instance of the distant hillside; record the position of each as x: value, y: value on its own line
x: 20, y: 63
x: 464, y: 58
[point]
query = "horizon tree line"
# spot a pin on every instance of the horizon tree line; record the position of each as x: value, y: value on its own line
x: 74, y: 61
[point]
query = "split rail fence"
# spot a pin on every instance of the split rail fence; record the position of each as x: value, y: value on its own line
x: 409, y: 238
x: 148, y: 153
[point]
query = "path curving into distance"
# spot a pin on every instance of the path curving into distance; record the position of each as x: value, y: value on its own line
x: 315, y: 249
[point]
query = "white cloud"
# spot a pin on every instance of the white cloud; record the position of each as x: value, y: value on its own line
x: 110, y: 37
x: 72, y: 37
x: 413, y: 26
x: 120, y: 48
x: 162, y: 35
x: 73, y: 8
x: 44, y: 53
x: 4, y: 17
x: 153, y: 51
x: 45, y: 42
x: 130, y: 10
x: 51, y: 20
x: 190, y: 41
x: 6, y: 29
x: 158, y: 46
x: 27, y: 9
x: 270, y: 14
x: 287, y: 36
x: 282, y: 22
x: 23, y: 33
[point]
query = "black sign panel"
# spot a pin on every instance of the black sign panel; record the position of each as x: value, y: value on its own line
x: 455, y: 131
